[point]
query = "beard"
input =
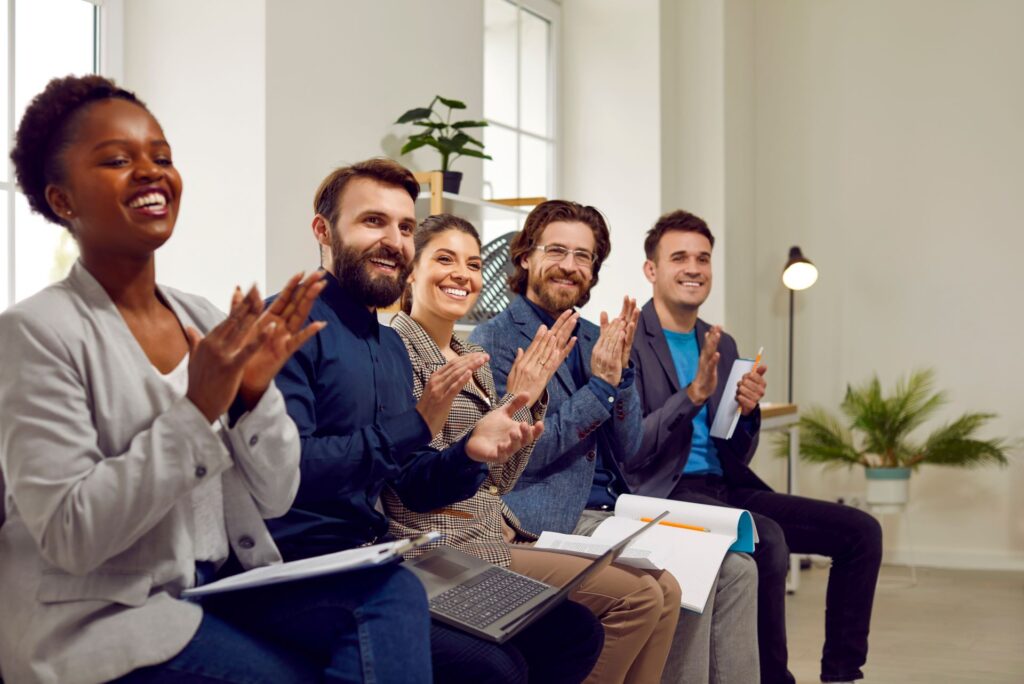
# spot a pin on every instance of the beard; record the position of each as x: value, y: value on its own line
x: 553, y: 298
x: 352, y: 269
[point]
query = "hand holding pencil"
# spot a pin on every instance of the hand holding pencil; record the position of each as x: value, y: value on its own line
x: 752, y: 386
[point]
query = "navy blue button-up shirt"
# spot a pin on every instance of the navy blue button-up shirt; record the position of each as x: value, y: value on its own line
x: 349, y: 391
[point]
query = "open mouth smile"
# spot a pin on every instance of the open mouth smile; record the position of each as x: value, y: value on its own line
x: 455, y: 293
x: 150, y: 203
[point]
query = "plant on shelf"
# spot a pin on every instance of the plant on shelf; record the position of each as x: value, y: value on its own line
x: 877, y: 435
x: 448, y: 137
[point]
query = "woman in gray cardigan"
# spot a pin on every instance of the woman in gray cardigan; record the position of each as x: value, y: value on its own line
x: 143, y: 443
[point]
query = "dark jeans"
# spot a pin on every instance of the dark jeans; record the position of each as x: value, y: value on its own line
x: 563, y: 646
x: 366, y: 626
x: 785, y: 523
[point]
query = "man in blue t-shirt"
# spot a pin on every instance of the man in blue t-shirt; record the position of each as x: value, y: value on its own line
x: 682, y: 364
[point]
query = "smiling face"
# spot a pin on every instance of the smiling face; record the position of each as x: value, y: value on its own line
x: 120, y: 190
x: 447, y: 276
x: 557, y: 285
x: 371, y: 242
x: 681, y: 269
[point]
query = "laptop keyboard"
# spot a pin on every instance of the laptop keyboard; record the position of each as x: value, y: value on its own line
x: 494, y: 593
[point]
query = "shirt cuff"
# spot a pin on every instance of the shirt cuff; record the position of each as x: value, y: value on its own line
x: 406, y: 431
x: 605, y: 393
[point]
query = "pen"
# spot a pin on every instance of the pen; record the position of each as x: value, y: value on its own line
x: 679, y: 525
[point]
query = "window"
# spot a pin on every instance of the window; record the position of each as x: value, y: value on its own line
x: 39, y: 39
x: 519, y: 68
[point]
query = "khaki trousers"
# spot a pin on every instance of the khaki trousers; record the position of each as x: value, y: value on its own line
x: 638, y: 609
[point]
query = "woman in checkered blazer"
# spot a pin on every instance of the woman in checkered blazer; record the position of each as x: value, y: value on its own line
x: 638, y: 609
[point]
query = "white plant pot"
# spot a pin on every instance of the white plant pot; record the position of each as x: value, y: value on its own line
x: 888, y: 489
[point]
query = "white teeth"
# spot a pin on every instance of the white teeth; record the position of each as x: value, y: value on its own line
x: 155, y: 199
x: 455, y: 292
x: 384, y: 262
x: 691, y: 284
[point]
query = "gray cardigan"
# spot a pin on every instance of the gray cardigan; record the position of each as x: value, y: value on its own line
x: 99, y: 458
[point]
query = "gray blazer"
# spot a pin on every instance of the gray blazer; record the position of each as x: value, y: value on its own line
x: 99, y: 459
x: 669, y: 413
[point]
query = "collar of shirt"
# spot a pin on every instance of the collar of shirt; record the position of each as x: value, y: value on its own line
x: 353, y: 313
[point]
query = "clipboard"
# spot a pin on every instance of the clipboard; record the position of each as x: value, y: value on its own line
x: 328, y: 564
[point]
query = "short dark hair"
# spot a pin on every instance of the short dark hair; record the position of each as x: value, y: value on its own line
x: 45, y: 132
x: 425, y: 232
x: 680, y: 220
x: 545, y: 214
x: 383, y: 170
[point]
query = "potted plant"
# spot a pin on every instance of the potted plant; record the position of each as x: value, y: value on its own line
x: 877, y: 436
x: 448, y: 137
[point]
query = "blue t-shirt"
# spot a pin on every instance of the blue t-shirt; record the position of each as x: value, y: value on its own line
x: 703, y: 458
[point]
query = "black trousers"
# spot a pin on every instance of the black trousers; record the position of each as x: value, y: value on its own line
x: 561, y: 647
x: 785, y: 523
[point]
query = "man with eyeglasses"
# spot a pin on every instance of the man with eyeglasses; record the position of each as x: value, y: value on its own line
x: 594, y: 426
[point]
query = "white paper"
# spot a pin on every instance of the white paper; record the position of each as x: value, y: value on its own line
x: 692, y: 557
x: 342, y: 561
x: 719, y: 519
x: 728, y: 414
x: 635, y: 555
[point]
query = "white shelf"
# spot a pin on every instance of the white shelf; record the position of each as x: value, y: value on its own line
x: 475, y: 208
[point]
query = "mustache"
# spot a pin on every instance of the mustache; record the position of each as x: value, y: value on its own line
x: 383, y: 252
x: 557, y: 272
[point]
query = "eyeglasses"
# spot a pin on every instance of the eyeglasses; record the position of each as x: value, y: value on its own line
x: 555, y: 254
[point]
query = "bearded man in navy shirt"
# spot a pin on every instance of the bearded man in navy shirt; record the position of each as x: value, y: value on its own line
x: 350, y: 394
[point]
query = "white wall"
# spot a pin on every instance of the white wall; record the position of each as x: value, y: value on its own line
x: 338, y: 75
x: 889, y: 146
x: 610, y: 103
x: 200, y: 67
x: 693, y: 128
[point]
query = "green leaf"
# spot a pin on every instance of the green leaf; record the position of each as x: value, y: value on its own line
x: 453, y: 104
x: 474, y: 141
x: 418, y: 113
x: 823, y: 439
x: 954, y: 444
x: 469, y: 124
x: 414, y: 145
x: 475, y: 153
x: 429, y: 124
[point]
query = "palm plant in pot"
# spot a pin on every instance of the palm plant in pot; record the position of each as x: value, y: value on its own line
x: 877, y: 434
x: 448, y: 137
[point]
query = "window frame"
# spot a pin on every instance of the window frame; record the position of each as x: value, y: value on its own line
x: 551, y: 12
x: 108, y: 41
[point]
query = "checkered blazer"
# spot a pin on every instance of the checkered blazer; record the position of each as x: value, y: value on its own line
x: 474, y: 525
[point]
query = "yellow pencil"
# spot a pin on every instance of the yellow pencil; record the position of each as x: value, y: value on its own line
x: 679, y: 525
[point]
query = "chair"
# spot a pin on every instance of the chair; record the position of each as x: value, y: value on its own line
x: 495, y: 295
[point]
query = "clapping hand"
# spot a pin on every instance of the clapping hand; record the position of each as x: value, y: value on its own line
x: 631, y: 315
x: 706, y: 379
x: 498, y: 435
x: 242, y: 354
x: 443, y: 386
x: 284, y: 322
x: 533, y: 368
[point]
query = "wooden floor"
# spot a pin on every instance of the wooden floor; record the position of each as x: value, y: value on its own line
x: 955, y: 626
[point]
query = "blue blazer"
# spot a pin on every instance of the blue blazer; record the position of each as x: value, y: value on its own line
x: 553, y: 490
x: 669, y: 413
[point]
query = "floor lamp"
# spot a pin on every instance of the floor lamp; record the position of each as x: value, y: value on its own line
x: 799, y: 274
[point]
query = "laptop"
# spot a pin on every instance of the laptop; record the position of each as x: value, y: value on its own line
x: 492, y: 602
